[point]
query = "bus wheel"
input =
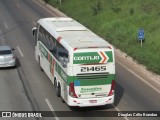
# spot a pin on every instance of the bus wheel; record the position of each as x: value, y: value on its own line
x: 58, y: 90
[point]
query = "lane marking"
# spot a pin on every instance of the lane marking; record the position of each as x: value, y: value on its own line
x: 34, y: 22
x: 119, y: 111
x: 52, y: 109
x: 18, y: 5
x: 5, y: 24
x: 140, y: 77
x: 20, y: 51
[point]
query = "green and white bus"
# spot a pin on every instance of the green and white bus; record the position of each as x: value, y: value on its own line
x: 80, y: 64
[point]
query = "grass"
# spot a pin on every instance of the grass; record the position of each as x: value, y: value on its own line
x: 118, y: 22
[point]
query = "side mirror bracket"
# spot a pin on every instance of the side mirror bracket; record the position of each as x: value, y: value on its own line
x: 34, y: 31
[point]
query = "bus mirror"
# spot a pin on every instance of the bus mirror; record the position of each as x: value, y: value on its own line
x: 34, y: 31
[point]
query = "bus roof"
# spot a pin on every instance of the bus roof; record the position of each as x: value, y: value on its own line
x: 72, y: 33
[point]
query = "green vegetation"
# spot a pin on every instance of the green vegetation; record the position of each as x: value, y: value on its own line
x: 118, y: 22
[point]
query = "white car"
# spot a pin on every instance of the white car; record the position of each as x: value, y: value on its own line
x: 7, y: 59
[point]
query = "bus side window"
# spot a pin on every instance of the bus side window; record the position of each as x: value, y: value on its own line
x: 62, y: 56
x: 57, y: 50
x: 53, y: 50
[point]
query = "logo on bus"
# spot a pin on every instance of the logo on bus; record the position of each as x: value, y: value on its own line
x: 87, y: 58
x: 92, y: 57
x: 84, y: 90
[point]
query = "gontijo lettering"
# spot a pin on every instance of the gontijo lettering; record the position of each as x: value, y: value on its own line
x: 87, y: 58
x: 92, y: 57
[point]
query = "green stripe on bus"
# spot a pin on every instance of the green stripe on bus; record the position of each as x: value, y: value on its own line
x: 109, y: 54
x: 100, y: 81
x: 84, y: 82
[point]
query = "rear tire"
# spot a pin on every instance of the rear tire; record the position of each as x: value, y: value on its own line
x: 58, y: 90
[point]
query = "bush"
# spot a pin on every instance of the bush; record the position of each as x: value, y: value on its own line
x: 131, y: 11
x: 97, y: 8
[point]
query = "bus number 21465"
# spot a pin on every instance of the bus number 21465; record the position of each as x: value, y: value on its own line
x: 97, y: 68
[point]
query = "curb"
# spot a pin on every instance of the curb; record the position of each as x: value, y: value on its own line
x: 59, y: 13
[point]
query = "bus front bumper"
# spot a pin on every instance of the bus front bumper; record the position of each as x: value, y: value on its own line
x: 86, y: 102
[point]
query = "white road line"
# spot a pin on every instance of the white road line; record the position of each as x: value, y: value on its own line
x: 34, y: 22
x: 51, y: 108
x: 119, y: 111
x: 6, y: 25
x: 49, y: 104
x: 18, y: 5
x: 20, y: 51
x: 140, y: 78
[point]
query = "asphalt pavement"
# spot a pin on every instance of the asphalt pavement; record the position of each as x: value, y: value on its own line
x: 27, y: 88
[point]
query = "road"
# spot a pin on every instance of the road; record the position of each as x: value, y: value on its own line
x: 27, y: 88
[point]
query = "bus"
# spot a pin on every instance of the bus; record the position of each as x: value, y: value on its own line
x: 80, y: 64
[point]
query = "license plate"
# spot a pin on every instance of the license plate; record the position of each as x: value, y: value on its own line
x: 92, y: 101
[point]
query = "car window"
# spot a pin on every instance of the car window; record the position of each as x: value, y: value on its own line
x: 4, y: 52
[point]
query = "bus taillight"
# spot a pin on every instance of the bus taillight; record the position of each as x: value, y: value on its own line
x: 72, y: 90
x: 112, y: 88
